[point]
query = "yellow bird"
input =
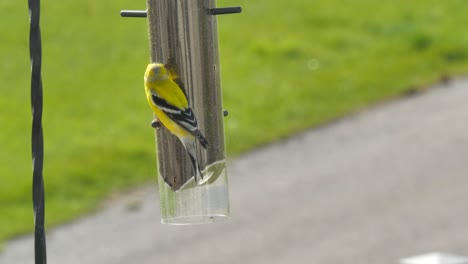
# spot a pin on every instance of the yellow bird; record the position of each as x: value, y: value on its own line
x: 170, y: 105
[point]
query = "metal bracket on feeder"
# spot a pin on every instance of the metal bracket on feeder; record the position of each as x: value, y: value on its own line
x: 133, y: 13
x: 224, y: 10
x: 212, y: 11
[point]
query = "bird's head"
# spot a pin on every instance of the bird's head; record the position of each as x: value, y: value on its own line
x: 155, y: 71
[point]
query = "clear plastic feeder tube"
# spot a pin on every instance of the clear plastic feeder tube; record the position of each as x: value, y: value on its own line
x: 183, y: 32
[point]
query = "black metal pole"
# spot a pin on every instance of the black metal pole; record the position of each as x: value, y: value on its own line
x: 37, y: 142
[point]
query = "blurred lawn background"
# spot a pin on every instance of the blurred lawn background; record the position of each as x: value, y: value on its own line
x: 286, y: 66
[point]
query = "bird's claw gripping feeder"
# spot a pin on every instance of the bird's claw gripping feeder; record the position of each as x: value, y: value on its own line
x: 184, y: 34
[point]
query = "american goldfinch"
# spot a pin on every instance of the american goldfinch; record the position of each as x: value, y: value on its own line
x: 170, y: 105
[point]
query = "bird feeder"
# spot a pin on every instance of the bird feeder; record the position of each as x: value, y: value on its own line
x: 184, y: 33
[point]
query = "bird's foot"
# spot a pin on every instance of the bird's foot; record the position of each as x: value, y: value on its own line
x: 155, y: 123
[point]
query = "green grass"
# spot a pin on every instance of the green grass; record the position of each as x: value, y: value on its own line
x: 286, y: 66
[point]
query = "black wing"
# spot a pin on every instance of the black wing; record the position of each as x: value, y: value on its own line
x: 183, y: 117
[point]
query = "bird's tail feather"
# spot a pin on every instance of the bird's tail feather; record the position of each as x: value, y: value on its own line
x: 196, y: 169
x: 202, y: 140
x: 190, y: 147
